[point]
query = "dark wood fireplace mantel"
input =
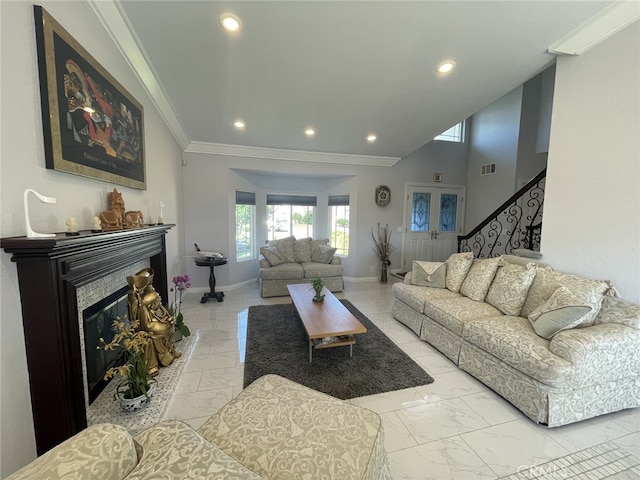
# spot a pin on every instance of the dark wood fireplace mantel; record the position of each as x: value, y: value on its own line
x: 50, y: 270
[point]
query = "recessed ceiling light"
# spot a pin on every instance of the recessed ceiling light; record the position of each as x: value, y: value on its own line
x: 309, y: 132
x: 371, y: 138
x: 239, y: 124
x: 230, y: 22
x: 446, y: 67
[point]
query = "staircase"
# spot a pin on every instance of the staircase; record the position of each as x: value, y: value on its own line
x: 516, y: 224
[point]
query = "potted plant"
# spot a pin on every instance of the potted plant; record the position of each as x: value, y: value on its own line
x: 180, y: 284
x: 383, y: 249
x: 135, y: 390
x: 318, y: 285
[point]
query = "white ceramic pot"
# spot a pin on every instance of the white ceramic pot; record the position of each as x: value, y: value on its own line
x: 138, y: 403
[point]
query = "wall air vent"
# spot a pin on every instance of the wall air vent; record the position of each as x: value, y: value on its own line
x: 488, y: 169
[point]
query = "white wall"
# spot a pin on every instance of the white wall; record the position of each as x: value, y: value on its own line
x: 210, y: 182
x: 22, y: 166
x: 592, y: 205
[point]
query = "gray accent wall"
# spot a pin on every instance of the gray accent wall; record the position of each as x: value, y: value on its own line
x: 507, y: 133
x: 493, y: 139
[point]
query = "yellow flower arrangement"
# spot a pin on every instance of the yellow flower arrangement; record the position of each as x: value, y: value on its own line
x: 133, y: 342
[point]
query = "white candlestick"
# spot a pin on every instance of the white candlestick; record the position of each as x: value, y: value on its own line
x: 160, y: 220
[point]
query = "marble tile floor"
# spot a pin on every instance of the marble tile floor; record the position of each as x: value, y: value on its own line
x: 455, y: 428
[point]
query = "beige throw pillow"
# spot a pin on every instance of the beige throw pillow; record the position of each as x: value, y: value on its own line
x: 272, y: 256
x: 286, y: 248
x: 616, y: 310
x: 458, y: 265
x: 510, y: 286
x: 302, y: 250
x: 477, y: 282
x: 562, y: 311
x: 428, y: 274
x: 547, y: 282
x: 323, y: 254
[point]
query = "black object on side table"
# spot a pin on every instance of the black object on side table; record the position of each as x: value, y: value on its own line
x: 211, y: 262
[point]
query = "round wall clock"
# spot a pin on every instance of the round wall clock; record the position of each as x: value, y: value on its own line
x: 383, y: 195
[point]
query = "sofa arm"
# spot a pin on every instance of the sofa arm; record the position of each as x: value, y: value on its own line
x: 600, y: 353
x: 336, y: 260
x: 264, y: 263
x: 102, y: 451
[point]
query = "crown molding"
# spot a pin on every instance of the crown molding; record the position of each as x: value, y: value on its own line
x: 598, y: 28
x: 289, y: 155
x: 114, y: 21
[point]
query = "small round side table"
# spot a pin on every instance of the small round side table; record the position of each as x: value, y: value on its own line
x: 211, y: 262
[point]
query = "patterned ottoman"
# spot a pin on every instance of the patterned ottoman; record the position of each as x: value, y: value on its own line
x: 280, y: 429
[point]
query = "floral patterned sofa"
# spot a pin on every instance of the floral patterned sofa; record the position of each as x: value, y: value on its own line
x: 275, y: 428
x: 560, y: 347
x: 290, y: 260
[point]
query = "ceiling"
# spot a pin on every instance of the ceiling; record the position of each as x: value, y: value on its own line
x: 345, y: 68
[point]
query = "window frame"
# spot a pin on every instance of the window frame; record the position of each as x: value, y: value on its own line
x: 334, y: 202
x: 451, y: 135
x: 246, y: 199
x: 291, y: 201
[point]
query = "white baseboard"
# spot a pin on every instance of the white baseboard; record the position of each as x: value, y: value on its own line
x: 361, y: 279
x: 236, y: 286
x: 223, y: 288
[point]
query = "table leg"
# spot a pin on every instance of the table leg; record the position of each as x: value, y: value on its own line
x: 310, y: 351
x: 351, y: 350
x: 212, y: 289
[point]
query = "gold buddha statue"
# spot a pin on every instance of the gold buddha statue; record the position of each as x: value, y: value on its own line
x: 145, y: 305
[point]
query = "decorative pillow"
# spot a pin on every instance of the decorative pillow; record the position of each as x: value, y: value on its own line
x: 429, y: 274
x: 458, y: 265
x: 616, y: 310
x: 562, y: 311
x: 509, y: 289
x: 318, y: 241
x: 323, y: 254
x: 302, y: 250
x: 547, y: 282
x: 286, y: 248
x: 477, y: 282
x: 272, y: 256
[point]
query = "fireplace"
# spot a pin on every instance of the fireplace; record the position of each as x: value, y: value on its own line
x: 89, y: 299
x: 59, y: 278
x: 97, y: 323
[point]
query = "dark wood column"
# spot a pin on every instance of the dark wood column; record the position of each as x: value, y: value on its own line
x: 50, y: 270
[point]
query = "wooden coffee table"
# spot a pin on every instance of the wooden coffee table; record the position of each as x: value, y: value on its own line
x: 325, y: 320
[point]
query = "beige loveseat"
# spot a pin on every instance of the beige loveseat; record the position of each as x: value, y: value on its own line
x: 275, y: 428
x: 560, y: 347
x: 290, y: 260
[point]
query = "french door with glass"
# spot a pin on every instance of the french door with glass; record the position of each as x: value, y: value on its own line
x: 433, y: 223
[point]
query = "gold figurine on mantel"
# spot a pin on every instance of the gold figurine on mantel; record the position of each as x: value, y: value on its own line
x: 145, y: 305
x: 116, y: 218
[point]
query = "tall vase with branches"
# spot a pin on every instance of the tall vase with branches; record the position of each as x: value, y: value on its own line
x: 382, y: 248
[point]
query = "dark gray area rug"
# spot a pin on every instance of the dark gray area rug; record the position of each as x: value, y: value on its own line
x: 277, y: 343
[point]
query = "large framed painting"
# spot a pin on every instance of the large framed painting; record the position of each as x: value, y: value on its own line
x: 92, y: 125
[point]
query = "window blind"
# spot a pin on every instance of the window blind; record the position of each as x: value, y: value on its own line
x: 245, y: 198
x: 273, y: 199
x: 338, y: 200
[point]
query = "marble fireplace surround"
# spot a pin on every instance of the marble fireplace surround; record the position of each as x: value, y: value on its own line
x: 54, y: 275
x: 92, y: 293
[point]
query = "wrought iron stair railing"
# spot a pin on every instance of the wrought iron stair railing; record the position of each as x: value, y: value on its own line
x: 515, y: 224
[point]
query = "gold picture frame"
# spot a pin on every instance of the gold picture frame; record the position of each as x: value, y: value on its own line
x: 92, y: 125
